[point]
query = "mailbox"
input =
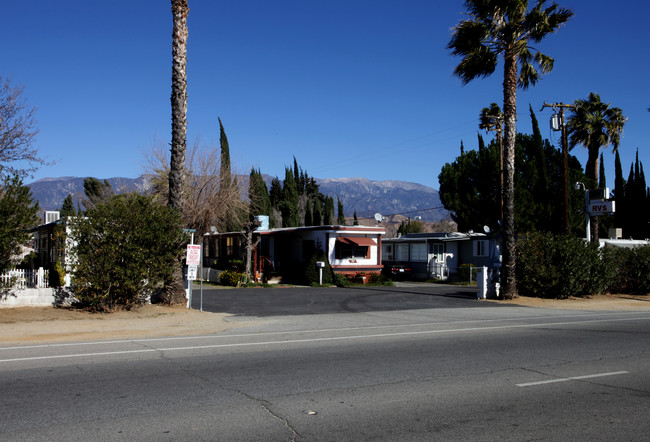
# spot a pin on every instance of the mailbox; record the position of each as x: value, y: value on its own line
x: 320, y: 264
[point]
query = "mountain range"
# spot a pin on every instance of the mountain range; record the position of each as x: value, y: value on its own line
x: 395, y: 200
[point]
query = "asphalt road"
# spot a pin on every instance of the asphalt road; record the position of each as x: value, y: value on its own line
x: 394, y: 364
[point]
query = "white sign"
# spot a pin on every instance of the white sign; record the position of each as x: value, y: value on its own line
x: 193, y: 255
x: 601, y: 207
x: 191, y: 273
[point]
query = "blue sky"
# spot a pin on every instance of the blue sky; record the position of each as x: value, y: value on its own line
x: 352, y: 88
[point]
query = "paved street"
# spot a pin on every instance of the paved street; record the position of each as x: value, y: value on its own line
x: 407, y: 363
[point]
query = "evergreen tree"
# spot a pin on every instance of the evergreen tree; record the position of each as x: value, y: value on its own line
x: 328, y: 217
x: 289, y: 204
x: 97, y: 192
x: 225, y: 175
x: 275, y: 194
x: 309, y: 214
x: 317, y: 216
x: 296, y: 177
x: 619, y: 192
x: 18, y: 213
x: 340, y: 220
x: 469, y: 187
x: 481, y: 142
x: 68, y: 207
x: 258, y: 195
x: 408, y: 226
x: 356, y: 221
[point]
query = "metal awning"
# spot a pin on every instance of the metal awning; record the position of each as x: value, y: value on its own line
x: 357, y: 240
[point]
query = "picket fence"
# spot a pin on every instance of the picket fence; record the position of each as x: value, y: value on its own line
x: 22, y: 279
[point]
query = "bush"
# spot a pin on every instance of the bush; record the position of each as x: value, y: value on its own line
x: 558, y: 267
x: 56, y: 275
x: 627, y: 270
x: 125, y: 248
x: 311, y: 272
x: 232, y: 278
x: 379, y: 279
x: 467, y: 273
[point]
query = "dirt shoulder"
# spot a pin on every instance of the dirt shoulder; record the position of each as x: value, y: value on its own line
x: 595, y: 302
x: 49, y: 325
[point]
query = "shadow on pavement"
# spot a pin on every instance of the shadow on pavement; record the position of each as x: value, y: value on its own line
x: 282, y: 301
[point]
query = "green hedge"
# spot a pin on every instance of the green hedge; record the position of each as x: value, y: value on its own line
x: 551, y: 266
x: 628, y: 270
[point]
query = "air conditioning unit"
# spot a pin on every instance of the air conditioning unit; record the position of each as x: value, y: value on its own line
x: 51, y: 216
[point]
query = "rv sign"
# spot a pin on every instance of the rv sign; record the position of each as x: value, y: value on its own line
x: 600, y: 207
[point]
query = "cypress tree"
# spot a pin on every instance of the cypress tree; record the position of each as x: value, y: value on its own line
x: 340, y: 220
x: 289, y: 204
x: 619, y: 192
x: 317, y: 216
x: 275, y: 194
x: 328, y: 216
x: 258, y: 195
x: 356, y: 221
x: 225, y: 177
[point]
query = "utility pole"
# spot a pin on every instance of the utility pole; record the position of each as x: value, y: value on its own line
x: 565, y: 155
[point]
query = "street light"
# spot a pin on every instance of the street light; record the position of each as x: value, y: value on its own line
x: 588, y: 221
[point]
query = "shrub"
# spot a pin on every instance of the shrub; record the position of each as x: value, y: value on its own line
x: 560, y: 266
x: 627, y: 270
x: 311, y: 272
x: 379, y: 279
x: 467, y: 273
x: 125, y: 248
x: 232, y: 278
x: 56, y: 275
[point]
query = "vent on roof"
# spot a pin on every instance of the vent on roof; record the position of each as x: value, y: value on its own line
x: 51, y: 216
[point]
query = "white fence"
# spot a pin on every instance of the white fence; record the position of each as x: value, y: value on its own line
x: 22, y: 279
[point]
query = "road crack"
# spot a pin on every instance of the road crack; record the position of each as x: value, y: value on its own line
x: 266, y: 405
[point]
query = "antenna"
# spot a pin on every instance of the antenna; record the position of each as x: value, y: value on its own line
x: 379, y: 217
x: 486, y: 229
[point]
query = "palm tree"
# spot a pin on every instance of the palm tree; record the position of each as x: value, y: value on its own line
x: 594, y: 125
x: 180, y: 10
x: 505, y: 27
x: 174, y: 292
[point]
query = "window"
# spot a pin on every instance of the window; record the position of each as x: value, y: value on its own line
x: 402, y: 252
x: 418, y: 252
x: 437, y: 250
x: 350, y: 251
x: 230, y: 246
x: 387, y: 251
x: 480, y: 248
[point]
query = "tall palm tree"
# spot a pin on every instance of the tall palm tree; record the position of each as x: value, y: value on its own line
x: 180, y: 10
x: 594, y: 125
x: 504, y: 28
x: 174, y: 292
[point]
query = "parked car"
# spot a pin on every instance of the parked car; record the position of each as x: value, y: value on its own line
x: 397, y: 271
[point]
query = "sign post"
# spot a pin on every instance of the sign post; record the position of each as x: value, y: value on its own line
x: 192, y: 260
